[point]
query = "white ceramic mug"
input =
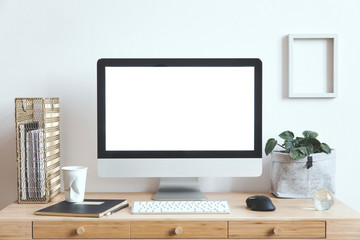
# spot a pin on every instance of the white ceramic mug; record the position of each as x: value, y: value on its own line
x: 74, y: 181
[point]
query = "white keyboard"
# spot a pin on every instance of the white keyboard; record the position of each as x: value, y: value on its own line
x: 171, y: 207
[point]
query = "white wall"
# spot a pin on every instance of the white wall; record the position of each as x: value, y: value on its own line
x: 50, y: 48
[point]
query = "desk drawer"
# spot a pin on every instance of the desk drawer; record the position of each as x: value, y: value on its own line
x: 172, y: 229
x: 80, y: 229
x: 277, y: 229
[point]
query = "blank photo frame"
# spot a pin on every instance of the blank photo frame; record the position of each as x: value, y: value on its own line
x: 313, y: 65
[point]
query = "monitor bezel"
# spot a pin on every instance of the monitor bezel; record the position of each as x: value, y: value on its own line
x: 190, y: 62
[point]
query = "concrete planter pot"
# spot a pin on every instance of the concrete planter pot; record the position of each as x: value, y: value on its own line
x: 291, y: 178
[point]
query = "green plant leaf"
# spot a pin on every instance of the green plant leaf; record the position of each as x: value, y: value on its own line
x: 314, y: 142
x: 298, y: 153
x: 310, y: 134
x: 310, y: 149
x: 305, y: 150
x: 296, y: 142
x: 287, y: 135
x: 270, y: 145
x: 325, y: 148
x: 288, y: 145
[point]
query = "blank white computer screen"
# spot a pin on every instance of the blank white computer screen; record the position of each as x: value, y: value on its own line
x: 179, y: 108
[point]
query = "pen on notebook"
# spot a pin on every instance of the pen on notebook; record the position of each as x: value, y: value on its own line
x: 117, y: 209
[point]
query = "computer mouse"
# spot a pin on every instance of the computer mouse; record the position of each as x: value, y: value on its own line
x: 260, y: 203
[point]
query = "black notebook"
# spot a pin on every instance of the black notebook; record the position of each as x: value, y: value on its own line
x: 88, y: 208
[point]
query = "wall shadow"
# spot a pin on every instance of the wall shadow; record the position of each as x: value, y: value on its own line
x: 8, y: 172
x: 254, y: 184
x: 285, y: 67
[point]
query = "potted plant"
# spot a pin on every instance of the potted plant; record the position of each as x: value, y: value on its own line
x: 302, y: 166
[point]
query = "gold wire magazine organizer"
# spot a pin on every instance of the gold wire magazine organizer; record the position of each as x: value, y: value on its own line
x: 37, y: 122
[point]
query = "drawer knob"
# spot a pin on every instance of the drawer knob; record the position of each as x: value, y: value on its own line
x: 178, y: 230
x: 80, y: 230
x: 277, y: 230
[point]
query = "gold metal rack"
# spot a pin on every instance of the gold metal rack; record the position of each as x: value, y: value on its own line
x: 37, y: 122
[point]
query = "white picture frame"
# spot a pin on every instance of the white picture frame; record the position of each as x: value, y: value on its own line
x: 313, y: 65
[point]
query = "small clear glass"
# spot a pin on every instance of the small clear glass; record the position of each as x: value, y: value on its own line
x: 323, y: 199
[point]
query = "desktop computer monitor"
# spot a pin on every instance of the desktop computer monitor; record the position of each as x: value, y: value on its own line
x: 179, y: 119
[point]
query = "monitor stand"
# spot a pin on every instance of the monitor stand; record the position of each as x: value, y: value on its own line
x: 186, y: 188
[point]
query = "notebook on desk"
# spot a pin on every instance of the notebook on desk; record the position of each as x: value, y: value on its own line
x: 88, y: 208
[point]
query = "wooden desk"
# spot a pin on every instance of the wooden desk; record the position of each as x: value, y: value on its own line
x: 293, y: 219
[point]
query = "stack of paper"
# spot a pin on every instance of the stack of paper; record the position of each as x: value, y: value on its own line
x: 32, y: 161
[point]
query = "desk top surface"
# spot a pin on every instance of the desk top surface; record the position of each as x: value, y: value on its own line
x: 287, y: 209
